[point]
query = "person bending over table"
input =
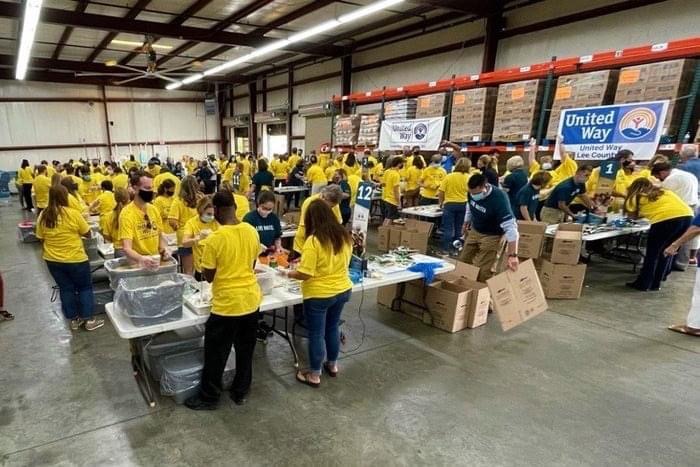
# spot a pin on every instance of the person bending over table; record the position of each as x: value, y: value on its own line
x: 60, y: 229
x: 228, y: 262
x: 325, y: 287
x: 692, y: 322
x: 528, y: 198
x: 556, y: 207
x: 391, y: 191
x: 430, y: 181
x: 669, y: 217
x: 488, y: 219
x: 266, y: 222
x: 197, y: 230
x: 452, y: 197
x: 140, y: 226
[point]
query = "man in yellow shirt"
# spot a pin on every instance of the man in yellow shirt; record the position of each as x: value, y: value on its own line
x: 332, y: 195
x: 25, y: 178
x: 165, y: 174
x: 41, y: 186
x: 430, y: 181
x: 120, y: 179
x: 293, y: 159
x: 228, y: 262
x: 391, y: 193
x: 315, y: 176
x: 132, y: 163
x: 141, y: 227
x: 279, y: 170
x: 152, y: 169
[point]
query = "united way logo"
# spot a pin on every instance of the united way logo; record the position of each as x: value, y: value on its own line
x: 638, y: 123
x: 420, y: 131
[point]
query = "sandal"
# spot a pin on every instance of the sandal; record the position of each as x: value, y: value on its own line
x: 683, y: 329
x: 327, y: 367
x: 303, y: 378
x: 6, y: 315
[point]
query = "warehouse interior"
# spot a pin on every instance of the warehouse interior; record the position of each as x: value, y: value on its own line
x: 597, y: 380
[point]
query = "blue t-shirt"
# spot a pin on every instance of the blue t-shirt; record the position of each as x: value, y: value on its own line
x: 696, y: 220
x: 269, y: 228
x: 514, y: 182
x: 489, y: 213
x: 692, y: 166
x: 566, y: 191
x: 449, y: 163
x: 527, y: 196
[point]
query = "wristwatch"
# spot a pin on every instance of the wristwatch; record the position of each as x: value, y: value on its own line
x: 513, y: 255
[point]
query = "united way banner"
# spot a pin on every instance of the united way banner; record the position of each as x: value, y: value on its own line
x: 423, y: 132
x: 597, y: 133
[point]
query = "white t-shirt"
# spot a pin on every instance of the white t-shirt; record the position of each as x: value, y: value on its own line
x: 684, y: 184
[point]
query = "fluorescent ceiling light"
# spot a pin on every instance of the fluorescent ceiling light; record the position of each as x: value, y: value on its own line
x: 140, y: 44
x: 30, y: 21
x: 296, y: 37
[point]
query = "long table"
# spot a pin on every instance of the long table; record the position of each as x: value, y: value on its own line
x: 281, y: 298
x: 431, y: 211
x: 291, y: 189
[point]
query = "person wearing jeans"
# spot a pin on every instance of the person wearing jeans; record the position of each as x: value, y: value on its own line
x: 25, y: 178
x: 60, y: 228
x: 452, y: 196
x: 325, y: 288
x: 669, y: 217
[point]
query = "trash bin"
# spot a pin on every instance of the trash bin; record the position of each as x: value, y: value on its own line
x: 166, y: 344
x: 25, y: 232
x: 121, y: 268
x: 182, y: 374
x: 149, y: 300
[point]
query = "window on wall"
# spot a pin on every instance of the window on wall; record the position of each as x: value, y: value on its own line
x: 275, y: 140
x: 240, y: 141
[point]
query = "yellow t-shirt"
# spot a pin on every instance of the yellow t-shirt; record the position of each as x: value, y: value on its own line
x: 432, y: 178
x: 392, y: 179
x: 244, y: 183
x: 246, y: 166
x: 63, y: 243
x: 232, y: 250
x: 25, y: 175
x: 193, y: 227
x: 242, y: 206
x: 454, y: 186
x: 330, y: 171
x: 161, y: 177
x: 324, y: 159
x: 377, y: 172
x: 668, y: 206
x: 623, y: 181
x: 300, y: 236
x: 110, y: 232
x: 144, y: 236
x: 163, y: 204
x: 153, y: 171
x: 180, y: 212
x: 77, y: 203
x: 328, y: 270
x: 315, y: 175
x: 50, y: 171
x: 106, y: 206
x: 41, y: 186
x: 354, y: 182
x: 129, y: 164
x: 292, y: 162
x: 413, y: 176
x: 191, y: 167
x: 354, y: 170
x: 279, y: 169
x: 120, y: 181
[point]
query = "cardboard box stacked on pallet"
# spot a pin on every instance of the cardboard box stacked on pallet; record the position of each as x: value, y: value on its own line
x: 369, y: 130
x: 581, y: 90
x: 658, y: 81
x: 432, y: 105
x: 472, y: 115
x: 404, y: 109
x: 413, y: 234
x: 346, y: 130
x: 560, y: 273
x: 518, y: 110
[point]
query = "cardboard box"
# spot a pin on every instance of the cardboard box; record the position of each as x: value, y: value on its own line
x: 531, y: 238
x: 568, y: 240
x: 432, y: 105
x: 383, y: 237
x: 517, y: 295
x: 414, y: 292
x: 517, y: 110
x: 413, y: 234
x: 280, y: 205
x: 292, y: 217
x: 473, y: 111
x: 395, y: 236
x: 562, y: 280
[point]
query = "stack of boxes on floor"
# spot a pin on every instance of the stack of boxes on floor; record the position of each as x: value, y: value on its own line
x: 369, y: 130
x: 412, y: 234
x: 432, y: 105
x: 472, y: 114
x: 517, y: 110
x: 403, y: 109
x: 346, y: 130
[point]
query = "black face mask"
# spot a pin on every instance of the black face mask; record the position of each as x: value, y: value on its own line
x: 170, y: 193
x: 146, y: 196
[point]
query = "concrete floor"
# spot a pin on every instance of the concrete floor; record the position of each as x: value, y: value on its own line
x: 598, y: 381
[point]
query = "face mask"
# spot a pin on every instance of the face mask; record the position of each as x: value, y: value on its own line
x: 479, y: 196
x: 170, y: 193
x: 146, y: 196
x: 536, y: 188
x: 263, y: 212
x: 86, y: 178
x: 206, y: 218
x: 444, y: 158
x: 547, y: 166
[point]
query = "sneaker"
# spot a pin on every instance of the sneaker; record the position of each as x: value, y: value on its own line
x: 75, y: 324
x: 197, y: 403
x: 94, y: 323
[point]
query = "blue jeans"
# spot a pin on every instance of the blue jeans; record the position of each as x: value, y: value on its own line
x: 322, y: 317
x: 452, y: 222
x: 74, y: 282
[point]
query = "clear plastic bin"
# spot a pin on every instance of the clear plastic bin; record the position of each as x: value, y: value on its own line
x: 156, y: 350
x: 149, y: 300
x: 103, y: 295
x: 25, y: 232
x: 266, y: 278
x: 182, y: 374
x: 90, y: 245
x: 121, y: 268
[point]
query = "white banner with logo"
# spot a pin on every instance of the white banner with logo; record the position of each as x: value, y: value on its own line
x: 597, y: 133
x: 425, y: 133
x: 360, y: 217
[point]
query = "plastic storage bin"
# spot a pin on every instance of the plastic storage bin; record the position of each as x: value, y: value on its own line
x: 103, y: 295
x: 164, y: 345
x: 121, y: 268
x: 266, y: 278
x: 25, y: 232
x: 182, y: 374
x: 149, y: 300
x: 90, y: 245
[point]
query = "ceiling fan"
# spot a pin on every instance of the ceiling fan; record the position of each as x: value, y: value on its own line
x: 151, y: 71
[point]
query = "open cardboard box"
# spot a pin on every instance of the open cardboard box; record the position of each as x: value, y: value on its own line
x: 531, y: 238
x: 413, y: 234
x: 562, y: 280
x: 517, y: 295
x: 568, y: 241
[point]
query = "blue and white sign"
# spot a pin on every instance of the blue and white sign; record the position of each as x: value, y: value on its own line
x: 598, y: 133
x: 423, y: 132
x: 360, y: 216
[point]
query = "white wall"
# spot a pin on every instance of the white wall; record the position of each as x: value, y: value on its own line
x: 177, y: 124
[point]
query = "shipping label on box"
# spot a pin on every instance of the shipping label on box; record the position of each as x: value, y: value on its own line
x: 517, y: 295
x: 531, y: 238
x: 568, y: 240
x: 563, y: 281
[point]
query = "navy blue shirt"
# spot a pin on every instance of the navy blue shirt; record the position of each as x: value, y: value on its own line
x: 269, y: 228
x: 489, y: 213
x: 345, y: 202
x: 262, y: 179
x: 566, y: 191
x: 491, y: 175
x: 527, y: 196
x: 514, y: 182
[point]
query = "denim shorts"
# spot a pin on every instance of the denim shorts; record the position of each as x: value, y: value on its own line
x: 184, y: 251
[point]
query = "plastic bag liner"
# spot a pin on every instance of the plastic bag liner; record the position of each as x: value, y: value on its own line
x: 427, y: 269
x: 165, y: 344
x: 182, y: 374
x: 121, y: 268
x: 150, y: 300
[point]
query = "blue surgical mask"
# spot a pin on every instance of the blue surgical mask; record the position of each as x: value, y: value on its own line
x: 479, y: 196
x: 206, y: 218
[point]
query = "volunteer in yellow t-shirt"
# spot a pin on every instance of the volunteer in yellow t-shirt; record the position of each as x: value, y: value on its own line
x: 325, y: 287
x: 391, y: 192
x: 61, y: 229
x: 110, y: 228
x: 140, y: 226
x: 164, y: 201
x: 165, y: 174
x: 197, y: 230
x: 414, y: 173
x: 452, y: 196
x: 105, y: 203
x: 120, y: 179
x: 228, y: 262
x: 75, y: 201
x: 430, y: 181
x: 184, y: 208
x: 332, y: 195
x: 669, y: 216
x: 132, y: 163
x: 25, y: 178
x: 279, y: 170
x: 41, y: 186
x: 315, y: 176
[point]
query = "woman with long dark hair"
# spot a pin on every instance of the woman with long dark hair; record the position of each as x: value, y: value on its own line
x: 60, y: 228
x: 184, y: 208
x: 110, y: 228
x: 325, y: 287
x: 25, y: 177
x: 263, y: 179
